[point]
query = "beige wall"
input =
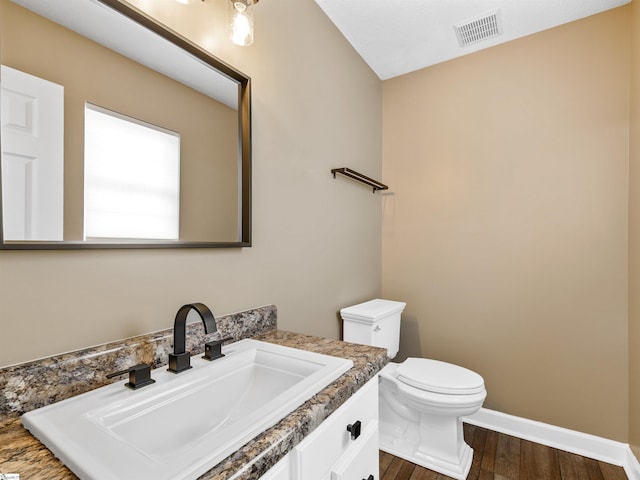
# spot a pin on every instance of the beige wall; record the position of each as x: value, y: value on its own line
x: 634, y: 236
x: 316, y: 240
x: 507, y: 231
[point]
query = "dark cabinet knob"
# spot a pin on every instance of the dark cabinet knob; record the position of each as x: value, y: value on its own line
x: 370, y: 477
x: 354, y: 429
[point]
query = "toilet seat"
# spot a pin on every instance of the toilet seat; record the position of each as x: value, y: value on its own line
x: 439, y: 377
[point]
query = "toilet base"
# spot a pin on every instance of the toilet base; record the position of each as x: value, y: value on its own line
x: 407, y: 450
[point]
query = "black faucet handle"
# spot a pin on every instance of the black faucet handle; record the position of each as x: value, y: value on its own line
x: 139, y: 376
x: 179, y: 362
x: 213, y: 349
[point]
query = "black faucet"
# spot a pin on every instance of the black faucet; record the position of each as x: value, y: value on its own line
x: 180, y: 359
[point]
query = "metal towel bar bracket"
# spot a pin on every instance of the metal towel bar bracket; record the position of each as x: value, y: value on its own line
x: 359, y: 177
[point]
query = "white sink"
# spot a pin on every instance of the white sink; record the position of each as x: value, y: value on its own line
x: 184, y: 424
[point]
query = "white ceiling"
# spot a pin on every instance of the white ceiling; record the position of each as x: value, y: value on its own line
x: 399, y: 36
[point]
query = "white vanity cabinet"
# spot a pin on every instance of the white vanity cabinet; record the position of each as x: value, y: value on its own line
x: 280, y: 471
x: 343, y: 447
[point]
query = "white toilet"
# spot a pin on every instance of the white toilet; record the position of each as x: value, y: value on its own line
x: 422, y: 401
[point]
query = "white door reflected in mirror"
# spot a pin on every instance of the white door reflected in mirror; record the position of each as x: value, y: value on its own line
x: 32, y: 157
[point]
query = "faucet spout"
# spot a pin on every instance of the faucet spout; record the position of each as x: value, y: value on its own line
x: 180, y: 359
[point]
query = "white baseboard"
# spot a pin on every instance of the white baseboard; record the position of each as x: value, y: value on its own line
x: 632, y: 466
x: 598, y: 448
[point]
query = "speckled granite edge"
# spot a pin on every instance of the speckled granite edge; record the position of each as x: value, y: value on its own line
x: 22, y: 453
x: 31, y: 385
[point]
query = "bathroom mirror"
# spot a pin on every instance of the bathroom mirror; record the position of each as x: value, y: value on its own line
x: 117, y: 132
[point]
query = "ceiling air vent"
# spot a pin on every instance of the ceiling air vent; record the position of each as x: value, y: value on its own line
x: 480, y: 28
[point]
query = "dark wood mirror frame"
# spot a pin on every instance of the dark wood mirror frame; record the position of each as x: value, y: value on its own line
x: 244, y: 150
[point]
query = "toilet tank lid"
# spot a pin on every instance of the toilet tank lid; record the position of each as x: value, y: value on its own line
x: 439, y: 377
x: 372, y: 311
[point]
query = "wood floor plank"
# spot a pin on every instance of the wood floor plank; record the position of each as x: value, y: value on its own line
x: 393, y: 468
x: 575, y: 467
x: 478, y: 442
x: 507, y: 464
x: 612, y: 472
x: 421, y: 473
x: 384, y: 460
x: 399, y: 469
x: 571, y: 466
x: 485, y: 475
x: 490, y: 448
x: 538, y: 462
x: 593, y: 469
x: 406, y: 471
x: 469, y: 431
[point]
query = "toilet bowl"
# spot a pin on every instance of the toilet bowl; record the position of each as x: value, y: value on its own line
x: 421, y: 401
x: 421, y: 409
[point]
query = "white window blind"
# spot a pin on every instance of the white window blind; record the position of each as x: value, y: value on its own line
x: 131, y: 178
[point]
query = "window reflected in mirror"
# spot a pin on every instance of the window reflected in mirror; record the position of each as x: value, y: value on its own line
x: 131, y: 178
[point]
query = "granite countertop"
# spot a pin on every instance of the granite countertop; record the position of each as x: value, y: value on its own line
x: 22, y: 453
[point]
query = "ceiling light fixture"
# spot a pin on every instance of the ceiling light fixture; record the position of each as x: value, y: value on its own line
x: 241, y: 21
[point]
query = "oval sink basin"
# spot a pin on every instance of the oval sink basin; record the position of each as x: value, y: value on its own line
x: 184, y: 424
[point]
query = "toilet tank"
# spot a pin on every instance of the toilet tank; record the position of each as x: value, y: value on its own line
x: 376, y: 322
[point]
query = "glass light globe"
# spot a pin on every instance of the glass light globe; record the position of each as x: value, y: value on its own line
x: 241, y: 22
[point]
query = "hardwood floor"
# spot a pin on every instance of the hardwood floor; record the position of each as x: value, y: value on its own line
x: 497, y: 456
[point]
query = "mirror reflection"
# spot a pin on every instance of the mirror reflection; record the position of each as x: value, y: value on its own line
x: 101, y: 148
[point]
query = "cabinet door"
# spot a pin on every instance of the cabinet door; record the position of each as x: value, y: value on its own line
x: 361, y: 460
x: 314, y: 457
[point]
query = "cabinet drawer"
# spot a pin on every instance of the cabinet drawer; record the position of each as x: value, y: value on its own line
x: 313, y: 458
x: 360, y: 461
